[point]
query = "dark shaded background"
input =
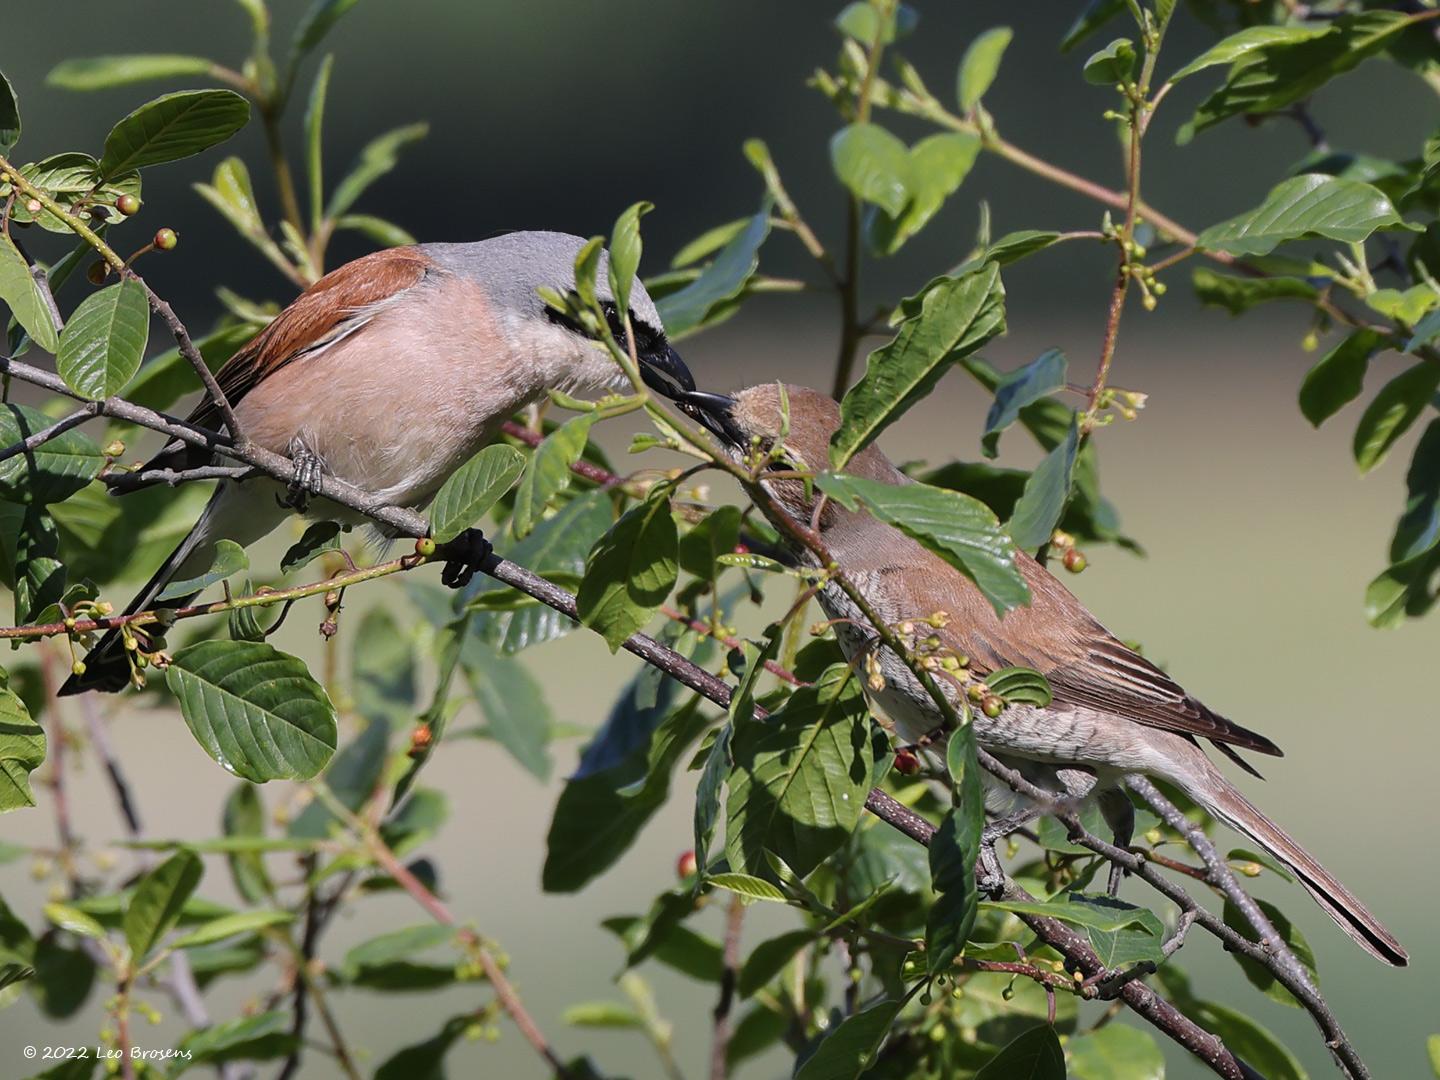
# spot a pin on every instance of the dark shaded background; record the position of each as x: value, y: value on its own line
x: 558, y: 115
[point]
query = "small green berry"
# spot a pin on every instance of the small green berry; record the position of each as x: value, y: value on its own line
x: 166, y: 239
x: 1074, y: 561
x: 425, y: 546
x: 77, y: 668
x: 991, y: 706
x: 129, y: 205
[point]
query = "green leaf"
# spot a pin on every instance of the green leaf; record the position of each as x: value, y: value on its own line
x: 1392, y: 411
x: 852, y: 1045
x: 938, y: 166
x: 769, y: 958
x: 1339, y: 376
x: 314, y: 141
x: 799, y: 782
x: 1313, y: 205
x: 719, y: 283
x: 74, y: 921
x: 1033, y: 1055
x: 661, y: 934
x: 1024, y: 386
x: 264, y: 1037
x: 1011, y: 247
x: 155, y: 905
x: 22, y: 295
x: 242, y: 922
x: 1020, y: 685
x: 547, y: 473
x: 961, y: 530
x: 1239, y: 45
x: 1418, y: 529
x: 385, y: 233
x: 1115, y: 1052
x: 980, y: 65
x: 396, y: 945
x: 1095, y: 15
x: 953, y: 851
x: 425, y: 1060
x: 747, y: 885
x: 1405, y: 306
x: 168, y: 377
x: 1045, y: 495
x: 1260, y: 976
x: 625, y: 249
x: 1275, y: 75
x: 704, y: 543
x: 383, y: 671
x: 1105, y: 918
x: 556, y: 549
x: 352, y: 776
x: 1112, y: 65
x: 172, y: 127
x: 255, y: 710
x: 1242, y: 1035
x: 64, y: 974
x: 874, y: 165
x: 105, y: 72
x: 602, y: 1014
x: 54, y: 470
x: 1142, y: 939
x: 956, y: 317
x: 9, y: 116
x: 379, y: 157
x: 230, y: 559
x: 473, y: 489
x: 513, y: 702
x: 1424, y: 331
x: 243, y: 818
x: 315, y: 24
x: 862, y: 22
x: 1403, y: 589
x: 631, y: 570
x: 22, y: 750
x: 315, y: 541
x: 103, y: 343
x: 1238, y: 295
x: 598, y: 816
x: 1432, y: 1051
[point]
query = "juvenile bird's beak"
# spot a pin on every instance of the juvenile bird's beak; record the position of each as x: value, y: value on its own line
x: 666, y: 374
x: 716, y: 412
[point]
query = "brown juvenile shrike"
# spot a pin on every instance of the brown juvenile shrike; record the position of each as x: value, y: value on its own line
x: 1113, y: 711
x: 389, y: 373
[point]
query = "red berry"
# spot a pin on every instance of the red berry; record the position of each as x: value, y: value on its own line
x: 741, y: 549
x: 166, y: 239
x: 906, y: 763
x: 420, y: 739
x: 686, y: 865
x: 1074, y: 561
x: 128, y: 205
x: 991, y: 705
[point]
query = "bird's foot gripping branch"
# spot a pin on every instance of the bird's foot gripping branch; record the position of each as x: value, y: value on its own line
x: 916, y: 947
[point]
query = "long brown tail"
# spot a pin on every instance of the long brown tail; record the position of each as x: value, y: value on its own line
x: 1209, y: 787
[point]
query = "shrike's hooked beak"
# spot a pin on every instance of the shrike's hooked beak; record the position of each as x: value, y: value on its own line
x: 666, y: 374
x: 716, y: 412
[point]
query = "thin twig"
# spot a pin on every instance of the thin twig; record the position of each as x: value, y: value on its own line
x: 730, y: 973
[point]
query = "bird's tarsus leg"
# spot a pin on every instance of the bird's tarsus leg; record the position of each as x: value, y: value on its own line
x: 309, y: 469
x: 463, y: 557
x: 1119, y: 814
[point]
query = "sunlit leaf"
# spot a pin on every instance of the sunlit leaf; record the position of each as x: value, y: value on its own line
x: 158, y: 899
x: 980, y: 65
x: 1304, y: 206
x: 961, y: 530
x: 473, y: 489
x: 255, y: 710
x: 957, y: 316
x: 172, y: 127
x: 104, y: 72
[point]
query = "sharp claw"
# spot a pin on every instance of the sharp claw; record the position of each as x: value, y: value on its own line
x: 464, y: 555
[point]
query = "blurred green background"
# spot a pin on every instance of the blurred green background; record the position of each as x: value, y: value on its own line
x: 557, y: 114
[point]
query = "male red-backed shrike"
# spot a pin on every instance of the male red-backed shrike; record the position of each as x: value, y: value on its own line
x: 389, y: 373
x: 1113, y: 711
